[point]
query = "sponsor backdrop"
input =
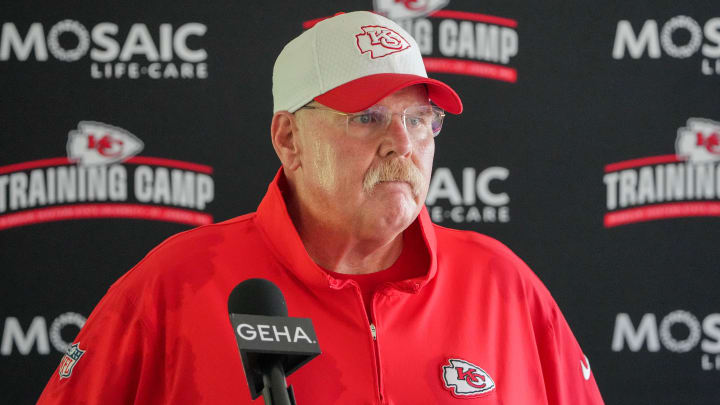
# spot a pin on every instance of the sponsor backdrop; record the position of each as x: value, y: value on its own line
x: 590, y: 144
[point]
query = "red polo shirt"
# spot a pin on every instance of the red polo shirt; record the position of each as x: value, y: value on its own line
x: 474, y: 325
x: 412, y: 262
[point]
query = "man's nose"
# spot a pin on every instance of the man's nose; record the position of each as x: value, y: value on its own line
x: 396, y: 138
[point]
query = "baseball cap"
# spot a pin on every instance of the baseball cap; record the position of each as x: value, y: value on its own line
x: 351, y: 61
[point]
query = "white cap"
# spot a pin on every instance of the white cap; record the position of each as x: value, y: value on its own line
x: 351, y: 61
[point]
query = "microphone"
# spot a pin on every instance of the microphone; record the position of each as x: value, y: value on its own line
x: 271, y: 344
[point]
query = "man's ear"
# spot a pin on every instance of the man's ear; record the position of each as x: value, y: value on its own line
x: 285, y: 141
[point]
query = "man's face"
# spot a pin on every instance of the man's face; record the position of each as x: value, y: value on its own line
x: 371, y: 185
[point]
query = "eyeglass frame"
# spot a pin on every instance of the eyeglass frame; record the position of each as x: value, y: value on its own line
x: 440, y: 111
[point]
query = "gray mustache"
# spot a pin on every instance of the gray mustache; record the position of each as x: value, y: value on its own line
x: 394, y: 170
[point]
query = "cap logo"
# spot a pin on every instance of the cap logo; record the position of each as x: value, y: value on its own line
x: 380, y: 41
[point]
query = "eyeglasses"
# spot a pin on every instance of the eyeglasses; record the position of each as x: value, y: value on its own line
x: 419, y: 121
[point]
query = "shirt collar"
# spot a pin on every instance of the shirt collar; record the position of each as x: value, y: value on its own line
x: 274, y: 221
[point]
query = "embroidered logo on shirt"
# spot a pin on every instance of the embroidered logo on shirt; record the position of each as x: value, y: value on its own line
x: 585, y: 365
x: 69, y: 360
x: 466, y: 380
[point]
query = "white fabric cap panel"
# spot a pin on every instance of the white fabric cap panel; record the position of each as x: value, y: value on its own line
x: 340, y: 61
x: 328, y: 55
x: 295, y: 75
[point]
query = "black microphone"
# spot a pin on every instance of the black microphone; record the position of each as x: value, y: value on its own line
x: 272, y: 345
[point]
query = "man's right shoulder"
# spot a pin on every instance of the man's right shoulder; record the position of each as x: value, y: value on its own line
x: 194, y: 253
x: 204, y: 236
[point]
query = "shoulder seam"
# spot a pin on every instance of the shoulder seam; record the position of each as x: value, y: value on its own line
x: 148, y: 255
x: 242, y: 218
x: 147, y: 324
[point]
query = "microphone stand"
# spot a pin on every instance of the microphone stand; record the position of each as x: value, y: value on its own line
x: 275, y: 390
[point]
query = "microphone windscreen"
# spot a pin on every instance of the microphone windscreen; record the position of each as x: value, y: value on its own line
x: 257, y: 296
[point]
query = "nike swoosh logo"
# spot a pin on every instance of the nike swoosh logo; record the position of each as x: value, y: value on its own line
x: 585, y: 368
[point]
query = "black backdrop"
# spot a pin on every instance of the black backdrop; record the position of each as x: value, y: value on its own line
x: 544, y: 129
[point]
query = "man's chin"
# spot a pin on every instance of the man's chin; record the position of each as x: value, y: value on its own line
x: 397, y: 206
x: 396, y: 186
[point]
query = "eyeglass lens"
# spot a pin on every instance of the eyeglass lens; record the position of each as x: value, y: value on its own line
x: 419, y: 121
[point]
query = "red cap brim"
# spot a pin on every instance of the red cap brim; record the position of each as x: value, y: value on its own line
x: 365, y: 92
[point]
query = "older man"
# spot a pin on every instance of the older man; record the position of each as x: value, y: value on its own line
x: 405, y: 312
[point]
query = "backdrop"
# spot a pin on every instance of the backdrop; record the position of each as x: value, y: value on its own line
x: 590, y: 144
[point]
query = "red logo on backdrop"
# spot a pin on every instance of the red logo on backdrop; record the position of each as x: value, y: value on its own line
x: 102, y: 177
x: 395, y: 9
x: 106, y: 146
x: 413, y: 4
x: 466, y: 380
x: 679, y: 185
x: 710, y: 142
x: 699, y: 141
x: 95, y: 143
x: 450, y: 41
x: 380, y: 41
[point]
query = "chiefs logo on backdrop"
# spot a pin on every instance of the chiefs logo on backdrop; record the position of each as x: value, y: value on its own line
x: 96, y: 143
x: 465, y: 380
x: 457, y: 42
x: 102, y: 177
x: 408, y: 8
x: 380, y: 41
x: 684, y: 184
x: 699, y: 142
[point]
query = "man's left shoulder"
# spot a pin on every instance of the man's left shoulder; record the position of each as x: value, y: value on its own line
x: 468, y: 252
x: 471, y: 247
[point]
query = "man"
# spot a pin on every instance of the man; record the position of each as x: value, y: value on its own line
x: 405, y: 312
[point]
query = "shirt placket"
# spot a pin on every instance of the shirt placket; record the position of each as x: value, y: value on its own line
x: 373, y: 321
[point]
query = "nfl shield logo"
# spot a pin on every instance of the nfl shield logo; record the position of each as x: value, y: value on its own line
x: 69, y: 360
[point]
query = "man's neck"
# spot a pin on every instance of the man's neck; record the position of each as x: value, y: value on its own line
x: 334, y: 247
x: 336, y: 250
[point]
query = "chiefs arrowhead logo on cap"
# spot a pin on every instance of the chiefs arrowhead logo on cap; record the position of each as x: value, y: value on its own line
x: 380, y: 41
x: 466, y: 380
